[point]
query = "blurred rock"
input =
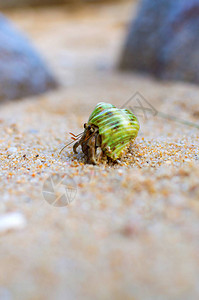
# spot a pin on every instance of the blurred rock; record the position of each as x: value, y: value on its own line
x: 164, y: 40
x: 22, y: 71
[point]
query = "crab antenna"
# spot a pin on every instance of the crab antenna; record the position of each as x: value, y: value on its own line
x: 76, y: 135
x: 66, y: 146
x: 72, y: 134
x: 74, y: 140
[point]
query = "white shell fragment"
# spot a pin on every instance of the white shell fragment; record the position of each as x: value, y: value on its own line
x: 12, y: 149
x: 12, y: 221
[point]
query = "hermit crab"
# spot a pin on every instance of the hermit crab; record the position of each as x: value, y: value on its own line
x: 107, y: 133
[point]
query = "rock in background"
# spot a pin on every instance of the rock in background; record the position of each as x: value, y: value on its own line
x: 22, y: 71
x: 164, y: 40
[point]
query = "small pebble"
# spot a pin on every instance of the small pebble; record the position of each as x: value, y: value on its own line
x: 12, y: 221
x: 12, y: 149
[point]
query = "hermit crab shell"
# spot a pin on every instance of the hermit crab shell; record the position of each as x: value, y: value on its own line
x: 117, y: 128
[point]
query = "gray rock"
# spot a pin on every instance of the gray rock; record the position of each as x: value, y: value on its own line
x: 163, y: 40
x: 22, y: 71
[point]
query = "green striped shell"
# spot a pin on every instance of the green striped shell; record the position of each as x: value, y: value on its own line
x: 117, y: 128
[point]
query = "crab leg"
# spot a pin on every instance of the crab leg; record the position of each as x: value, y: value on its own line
x: 76, y: 145
x: 92, y: 150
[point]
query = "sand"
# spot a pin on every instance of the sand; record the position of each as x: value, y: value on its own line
x: 128, y: 230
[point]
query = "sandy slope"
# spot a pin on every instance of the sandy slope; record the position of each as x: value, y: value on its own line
x: 131, y: 231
